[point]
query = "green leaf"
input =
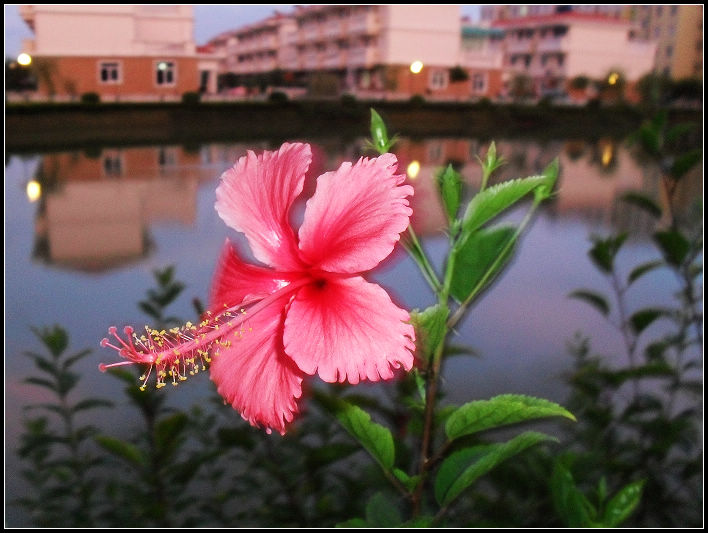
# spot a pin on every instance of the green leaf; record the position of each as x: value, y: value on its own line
x: 639, y: 271
x: 499, y: 411
x: 376, y: 439
x: 91, y: 403
x: 380, y: 141
x: 382, y: 512
x: 673, y: 245
x: 450, y: 184
x: 410, y: 482
x: 603, y: 251
x: 685, y: 162
x: 478, y: 259
x: 571, y: 504
x: 464, y: 467
x: 623, y: 504
x: 125, y: 450
x: 429, y: 328
x: 643, y: 202
x: 55, y: 339
x: 596, y: 300
x: 42, y: 383
x: 353, y: 523
x: 168, y: 431
x: 550, y: 175
x: 643, y: 318
x: 490, y: 202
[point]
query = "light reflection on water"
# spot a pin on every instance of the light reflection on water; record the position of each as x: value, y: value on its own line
x: 81, y: 255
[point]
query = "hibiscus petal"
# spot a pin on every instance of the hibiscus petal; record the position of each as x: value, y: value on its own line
x: 236, y: 282
x: 356, y: 215
x: 348, y: 329
x: 255, y: 376
x: 255, y: 197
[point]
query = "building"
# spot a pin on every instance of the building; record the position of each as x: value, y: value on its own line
x: 365, y: 50
x: 482, y: 57
x: 678, y: 30
x: 120, y: 52
x: 543, y: 53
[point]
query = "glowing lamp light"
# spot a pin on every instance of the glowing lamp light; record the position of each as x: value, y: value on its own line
x: 34, y: 190
x: 607, y: 155
x: 613, y: 78
x: 416, y: 67
x: 413, y: 169
x: 24, y: 59
x: 162, y: 65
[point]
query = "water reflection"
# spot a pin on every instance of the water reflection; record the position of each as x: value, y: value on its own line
x: 94, y: 210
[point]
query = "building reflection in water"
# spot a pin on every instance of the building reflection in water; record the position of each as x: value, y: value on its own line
x: 95, y: 209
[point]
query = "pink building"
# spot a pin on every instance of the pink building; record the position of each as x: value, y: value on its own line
x: 365, y: 50
x: 550, y: 50
x: 121, y: 52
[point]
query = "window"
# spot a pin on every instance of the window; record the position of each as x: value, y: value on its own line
x: 109, y: 72
x: 438, y: 79
x: 112, y: 163
x: 165, y: 73
x: 669, y: 51
x: 479, y: 83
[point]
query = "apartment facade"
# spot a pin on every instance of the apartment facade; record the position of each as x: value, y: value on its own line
x: 678, y: 31
x: 365, y: 50
x: 551, y: 50
x: 121, y: 52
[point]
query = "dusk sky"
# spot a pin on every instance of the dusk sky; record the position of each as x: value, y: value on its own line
x: 209, y: 21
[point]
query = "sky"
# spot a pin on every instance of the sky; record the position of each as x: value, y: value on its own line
x: 209, y: 21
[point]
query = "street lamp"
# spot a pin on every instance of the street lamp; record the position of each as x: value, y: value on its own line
x: 24, y: 59
x: 415, y: 68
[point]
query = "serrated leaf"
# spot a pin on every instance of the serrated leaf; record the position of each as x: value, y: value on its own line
x: 375, y: 438
x: 478, y: 258
x: 596, y: 300
x: 382, y: 512
x: 643, y: 318
x: 490, y: 202
x: 450, y: 185
x: 429, y: 328
x: 643, y: 202
x: 464, y: 467
x: 673, y: 245
x: 623, y: 504
x: 550, y: 175
x: 639, y: 271
x: 500, y: 411
x: 125, y: 450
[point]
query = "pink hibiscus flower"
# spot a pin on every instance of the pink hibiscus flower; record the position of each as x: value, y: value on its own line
x: 308, y: 310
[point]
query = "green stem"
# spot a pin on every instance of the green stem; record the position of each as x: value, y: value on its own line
x: 415, y: 250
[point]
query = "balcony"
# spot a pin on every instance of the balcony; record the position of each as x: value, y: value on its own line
x: 557, y: 44
x: 522, y: 46
x: 367, y: 23
x: 362, y: 56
